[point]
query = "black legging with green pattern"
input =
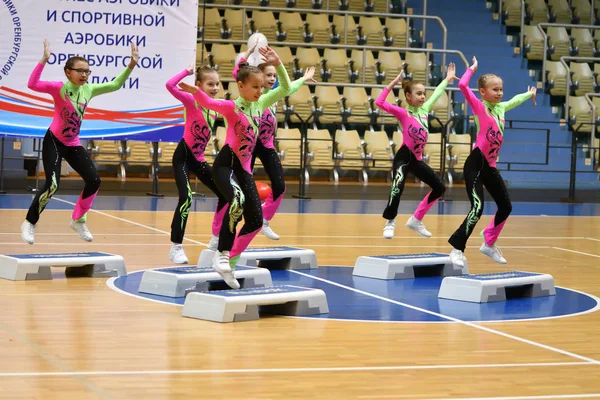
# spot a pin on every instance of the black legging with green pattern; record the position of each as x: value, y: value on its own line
x: 404, y: 162
x: 183, y: 162
x: 239, y: 190
x: 53, y: 152
x: 478, y: 174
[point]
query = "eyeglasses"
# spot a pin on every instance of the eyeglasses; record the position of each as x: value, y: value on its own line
x: 81, y: 71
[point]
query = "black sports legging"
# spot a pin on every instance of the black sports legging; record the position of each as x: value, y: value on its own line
x: 272, y: 165
x: 405, y: 162
x: 242, y: 199
x: 53, y: 151
x: 184, y: 162
x: 478, y: 173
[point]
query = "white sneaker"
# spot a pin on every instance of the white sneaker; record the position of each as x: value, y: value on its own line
x: 177, y: 255
x: 214, y: 243
x: 493, y: 252
x: 27, y: 232
x: 389, y: 228
x: 417, y: 226
x: 458, y: 258
x: 268, y: 232
x: 82, y: 230
x: 221, y: 265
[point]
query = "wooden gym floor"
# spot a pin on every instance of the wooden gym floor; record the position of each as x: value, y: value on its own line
x: 78, y: 339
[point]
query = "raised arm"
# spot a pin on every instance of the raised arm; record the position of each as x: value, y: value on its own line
x: 450, y: 77
x: 34, y: 82
x: 37, y: 85
x: 112, y: 86
x: 308, y: 76
x: 435, y: 95
x: 519, y: 99
x: 186, y: 98
x: 223, y: 107
x: 273, y: 96
x: 243, y: 58
x: 382, y: 103
x: 119, y: 81
x: 463, y: 85
x: 295, y: 85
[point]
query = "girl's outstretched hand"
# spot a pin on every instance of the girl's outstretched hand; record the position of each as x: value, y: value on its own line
x: 474, y: 65
x: 250, y: 50
x: 451, y: 74
x: 135, y: 56
x: 309, y: 74
x: 397, y: 79
x: 191, y: 67
x: 47, y: 51
x: 269, y: 55
x: 533, y: 91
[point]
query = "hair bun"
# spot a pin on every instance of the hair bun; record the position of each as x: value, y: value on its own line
x: 245, y: 71
x: 406, y: 83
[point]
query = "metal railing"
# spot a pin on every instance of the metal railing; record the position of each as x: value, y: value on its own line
x: 588, y: 98
x: 328, y: 2
x: 573, y: 168
x: 444, y: 162
x: 425, y: 25
x: 545, y: 35
x: 572, y: 146
x: 408, y: 17
x: 563, y: 61
x: 521, y: 34
x: 353, y: 47
x: 501, y: 18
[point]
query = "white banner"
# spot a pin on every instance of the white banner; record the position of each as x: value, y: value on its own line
x: 100, y: 31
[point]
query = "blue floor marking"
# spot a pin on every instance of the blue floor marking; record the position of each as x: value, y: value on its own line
x: 421, y: 292
x: 297, y: 206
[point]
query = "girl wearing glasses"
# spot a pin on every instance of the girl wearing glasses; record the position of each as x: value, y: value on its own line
x: 71, y: 98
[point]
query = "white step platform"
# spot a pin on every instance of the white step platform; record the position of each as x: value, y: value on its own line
x: 174, y: 281
x: 484, y: 288
x: 407, y: 266
x: 19, y: 267
x: 243, y: 304
x: 280, y: 257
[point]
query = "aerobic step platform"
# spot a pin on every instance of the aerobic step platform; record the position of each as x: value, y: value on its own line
x: 19, y: 267
x: 485, y: 288
x: 281, y: 257
x: 174, y: 281
x: 243, y: 304
x: 407, y: 266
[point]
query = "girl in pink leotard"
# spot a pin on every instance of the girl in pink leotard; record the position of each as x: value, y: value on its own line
x: 71, y: 98
x: 480, y: 167
x: 235, y: 158
x: 189, y: 156
x: 265, y: 145
x: 409, y: 158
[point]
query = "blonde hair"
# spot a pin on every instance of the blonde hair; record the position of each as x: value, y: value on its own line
x: 483, y: 80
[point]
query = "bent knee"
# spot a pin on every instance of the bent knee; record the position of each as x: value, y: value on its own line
x: 278, y: 190
x: 94, y: 183
x: 439, y: 191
